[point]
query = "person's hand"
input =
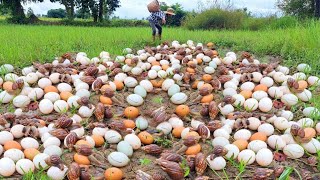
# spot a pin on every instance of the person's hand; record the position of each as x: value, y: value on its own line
x: 163, y: 21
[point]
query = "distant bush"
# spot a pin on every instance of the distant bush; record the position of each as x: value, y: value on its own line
x: 215, y: 19
x: 57, y: 13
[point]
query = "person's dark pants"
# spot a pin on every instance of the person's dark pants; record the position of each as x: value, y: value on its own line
x: 155, y: 26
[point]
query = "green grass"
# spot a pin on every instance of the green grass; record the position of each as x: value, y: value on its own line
x: 21, y: 45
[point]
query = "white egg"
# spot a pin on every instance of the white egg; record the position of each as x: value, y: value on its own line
x: 164, y: 127
x: 294, y: 151
x: 230, y: 84
x: 5, y: 136
x: 31, y: 78
x: 51, y: 141
x: 264, y: 157
x: 85, y: 111
x: 225, y: 110
x: 233, y: 151
x: 135, y: 100
x: 281, y: 123
x: 217, y: 163
x: 167, y: 84
x: 21, y: 101
x: 276, y: 142
x: 242, y: 134
x: 130, y: 82
x: 44, y: 82
x: 133, y: 140
x: 29, y: 142
x: 220, y: 141
x: 112, y: 136
x: 247, y: 156
x: 313, y: 81
x: 239, y: 100
x: 305, y: 122
x: 118, y: 159
x: 279, y: 77
x: 311, y: 111
x: 24, y: 166
x: 64, y: 87
x: 56, y: 173
x: 53, y: 150
x: 251, y: 104
x: 60, y: 106
x: 7, y: 167
x: 14, y: 154
x: 289, y: 99
x: 39, y: 160
x: 140, y: 91
x: 275, y: 92
x: 83, y: 93
x: 36, y: 94
x: 258, y: 95
x: 5, y: 97
x: 125, y: 147
x: 256, y: 145
x: 266, y: 128
x: 173, y: 90
x: 247, y: 86
x: 99, y: 131
x: 147, y: 85
x: 254, y: 123
x: 175, y: 122
x: 265, y: 104
x: 179, y: 98
x: 312, y: 147
x: 141, y: 123
x: 46, y: 106
x: 304, y: 96
x: 52, y: 96
x: 229, y: 92
x: 221, y: 133
x: 267, y: 81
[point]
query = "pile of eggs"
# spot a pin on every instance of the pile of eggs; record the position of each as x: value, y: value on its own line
x: 56, y: 92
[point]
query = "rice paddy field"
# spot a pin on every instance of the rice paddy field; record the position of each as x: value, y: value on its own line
x: 21, y: 45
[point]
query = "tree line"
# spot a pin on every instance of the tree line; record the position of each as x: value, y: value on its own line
x: 98, y: 9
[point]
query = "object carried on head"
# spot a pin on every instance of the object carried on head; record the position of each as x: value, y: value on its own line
x: 154, y: 6
x: 170, y: 11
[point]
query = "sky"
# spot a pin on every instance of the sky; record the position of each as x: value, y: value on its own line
x: 136, y: 9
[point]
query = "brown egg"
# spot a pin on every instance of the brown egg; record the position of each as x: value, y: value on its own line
x: 302, y: 85
x: 7, y: 86
x: 241, y: 144
x: 51, y: 89
x: 145, y: 137
x: 246, y: 94
x: 258, y: 136
x: 260, y: 87
x: 157, y: 83
x: 30, y: 153
x: 105, y: 100
x: 80, y: 159
x: 98, y: 140
x: 207, y: 99
x: 65, y: 95
x: 176, y: 132
x: 193, y: 150
x: 129, y: 123
x: 12, y: 145
x: 309, y: 133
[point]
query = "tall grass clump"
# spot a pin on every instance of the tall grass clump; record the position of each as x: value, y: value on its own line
x: 215, y: 19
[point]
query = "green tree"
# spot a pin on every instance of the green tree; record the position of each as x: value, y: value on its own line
x: 69, y: 5
x: 178, y: 18
x: 100, y: 9
x: 300, y: 8
x: 57, y: 13
x: 16, y: 9
x: 29, y: 12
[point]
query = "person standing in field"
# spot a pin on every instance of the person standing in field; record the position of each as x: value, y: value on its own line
x: 156, y: 19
